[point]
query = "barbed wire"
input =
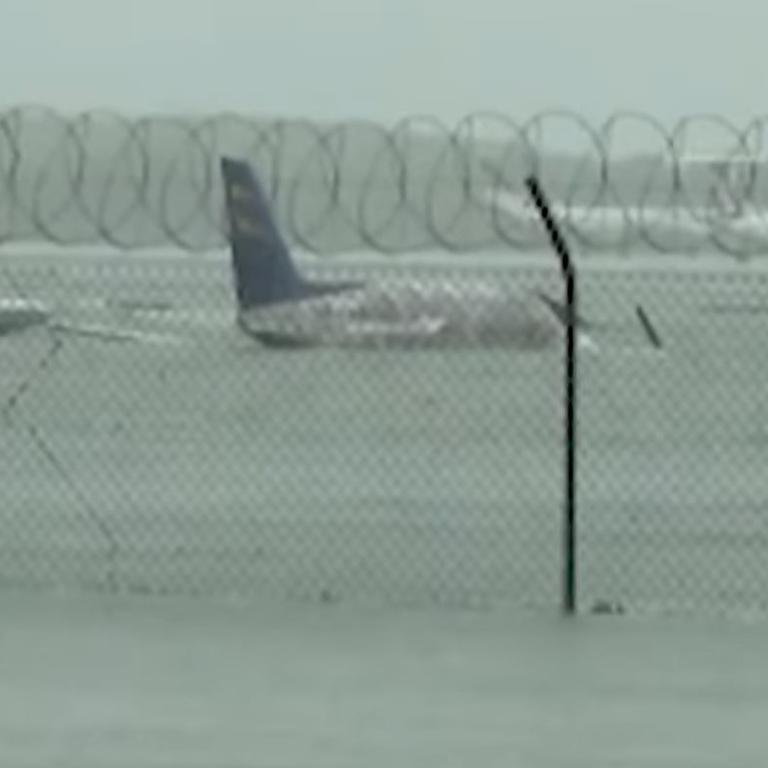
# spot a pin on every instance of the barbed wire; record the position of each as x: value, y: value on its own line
x: 628, y: 182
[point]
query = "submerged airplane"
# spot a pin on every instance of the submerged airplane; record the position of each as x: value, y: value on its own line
x: 280, y: 308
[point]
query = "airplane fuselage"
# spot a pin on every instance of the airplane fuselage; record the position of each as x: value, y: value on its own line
x: 605, y: 223
x: 408, y: 314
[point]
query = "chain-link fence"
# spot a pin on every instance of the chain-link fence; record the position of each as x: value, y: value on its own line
x: 165, y: 451
x: 673, y: 455
x: 192, y: 460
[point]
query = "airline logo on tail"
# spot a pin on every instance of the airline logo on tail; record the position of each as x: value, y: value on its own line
x: 264, y: 271
x: 242, y: 203
x: 241, y: 194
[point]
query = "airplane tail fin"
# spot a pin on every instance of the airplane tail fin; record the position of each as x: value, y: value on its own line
x: 264, y: 272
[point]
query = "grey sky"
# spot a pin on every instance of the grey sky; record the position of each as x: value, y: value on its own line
x: 382, y: 59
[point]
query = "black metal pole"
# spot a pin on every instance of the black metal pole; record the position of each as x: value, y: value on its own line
x: 569, y: 275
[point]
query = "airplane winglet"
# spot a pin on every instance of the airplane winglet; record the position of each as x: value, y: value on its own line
x: 649, y: 328
x: 559, y: 311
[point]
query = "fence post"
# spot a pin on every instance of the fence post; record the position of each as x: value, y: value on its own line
x: 568, y: 269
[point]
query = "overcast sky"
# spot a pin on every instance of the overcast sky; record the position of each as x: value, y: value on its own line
x: 383, y: 59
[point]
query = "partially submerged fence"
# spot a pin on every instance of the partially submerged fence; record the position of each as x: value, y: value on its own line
x: 177, y: 456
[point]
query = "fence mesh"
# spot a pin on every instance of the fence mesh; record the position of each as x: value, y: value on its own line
x: 181, y: 457
x: 199, y: 463
x: 673, y: 482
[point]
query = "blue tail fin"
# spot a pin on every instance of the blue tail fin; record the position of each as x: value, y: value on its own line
x: 264, y: 271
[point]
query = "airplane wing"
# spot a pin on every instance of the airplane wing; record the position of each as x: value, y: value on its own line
x: 109, y: 333
x: 641, y: 327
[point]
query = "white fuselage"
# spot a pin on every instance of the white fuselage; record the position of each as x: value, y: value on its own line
x: 408, y: 314
x: 606, y: 225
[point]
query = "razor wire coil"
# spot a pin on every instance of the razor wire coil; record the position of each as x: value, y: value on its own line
x: 628, y: 182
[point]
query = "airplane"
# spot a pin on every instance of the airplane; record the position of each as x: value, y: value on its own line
x: 280, y: 308
x: 727, y: 219
x: 591, y: 222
